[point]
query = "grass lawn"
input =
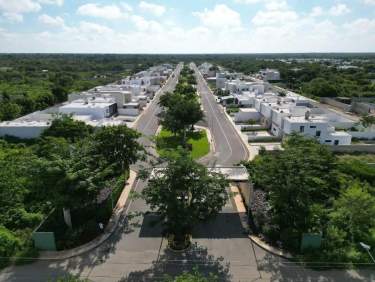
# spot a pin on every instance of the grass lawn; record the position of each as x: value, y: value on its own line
x: 166, y: 143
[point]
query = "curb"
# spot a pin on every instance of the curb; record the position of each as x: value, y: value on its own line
x: 268, y: 248
x: 111, y: 227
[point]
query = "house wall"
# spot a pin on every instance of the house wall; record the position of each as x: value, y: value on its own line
x: 363, y: 134
x: 23, y: 132
x: 243, y: 116
x: 335, y: 103
x: 129, y: 112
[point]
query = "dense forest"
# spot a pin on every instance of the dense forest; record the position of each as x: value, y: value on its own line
x: 30, y: 82
x: 308, y: 189
x: 71, y: 168
x: 35, y: 82
x: 319, y: 75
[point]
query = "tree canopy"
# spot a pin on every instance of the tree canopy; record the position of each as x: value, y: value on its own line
x: 185, y: 193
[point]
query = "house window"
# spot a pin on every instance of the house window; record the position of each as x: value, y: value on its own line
x: 317, y: 134
x: 328, y: 141
x: 336, y: 142
x: 312, y: 126
x: 301, y: 129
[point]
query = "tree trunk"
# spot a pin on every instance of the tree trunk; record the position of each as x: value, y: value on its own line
x: 67, y: 217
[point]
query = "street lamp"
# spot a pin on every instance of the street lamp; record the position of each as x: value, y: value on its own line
x: 367, y: 248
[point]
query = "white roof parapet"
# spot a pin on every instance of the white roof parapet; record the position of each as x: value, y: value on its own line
x: 233, y: 173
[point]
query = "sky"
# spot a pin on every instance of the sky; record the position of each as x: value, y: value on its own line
x: 187, y: 26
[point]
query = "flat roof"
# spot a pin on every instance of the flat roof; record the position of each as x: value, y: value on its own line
x: 90, y: 105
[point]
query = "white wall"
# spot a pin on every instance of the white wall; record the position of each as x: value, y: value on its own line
x: 362, y: 134
x: 243, y: 116
x: 128, y: 112
x: 23, y: 132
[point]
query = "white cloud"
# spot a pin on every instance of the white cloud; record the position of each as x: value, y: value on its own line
x: 142, y: 24
x: 88, y: 27
x: 126, y: 7
x: 369, y: 2
x: 220, y: 17
x: 52, y: 2
x: 157, y: 10
x: 275, y: 13
x: 51, y: 21
x: 316, y: 11
x: 276, y: 5
x: 19, y: 6
x: 361, y: 26
x: 12, y: 10
x: 339, y: 10
x: 109, y: 12
x: 13, y: 17
x: 248, y: 1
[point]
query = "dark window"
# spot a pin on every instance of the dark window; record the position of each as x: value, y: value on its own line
x: 301, y: 129
x: 317, y: 134
x: 312, y: 126
x: 336, y: 142
x: 328, y: 141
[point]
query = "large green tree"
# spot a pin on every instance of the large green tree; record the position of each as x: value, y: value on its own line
x: 179, y: 114
x: 299, y: 181
x: 68, y: 128
x: 184, y: 194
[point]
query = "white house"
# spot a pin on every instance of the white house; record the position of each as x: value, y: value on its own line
x: 23, y: 129
x: 221, y: 79
x: 26, y: 127
x: 97, y: 108
x: 270, y: 74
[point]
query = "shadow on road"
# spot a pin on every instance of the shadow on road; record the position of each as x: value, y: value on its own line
x: 282, y: 270
x: 172, y: 264
x: 223, y: 226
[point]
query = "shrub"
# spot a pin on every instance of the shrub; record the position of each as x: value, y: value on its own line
x: 8, y: 244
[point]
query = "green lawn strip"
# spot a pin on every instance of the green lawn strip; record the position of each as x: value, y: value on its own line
x: 167, y: 143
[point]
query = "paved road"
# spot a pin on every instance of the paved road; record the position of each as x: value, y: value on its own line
x: 137, y: 252
x: 229, y: 146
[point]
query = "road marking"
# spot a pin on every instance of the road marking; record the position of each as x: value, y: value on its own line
x: 217, y: 120
x: 241, y: 142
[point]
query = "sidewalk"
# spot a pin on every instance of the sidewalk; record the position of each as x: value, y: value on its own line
x: 113, y: 222
x: 242, y: 213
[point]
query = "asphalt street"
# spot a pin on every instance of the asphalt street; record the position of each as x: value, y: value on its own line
x: 230, y: 149
x: 138, y: 252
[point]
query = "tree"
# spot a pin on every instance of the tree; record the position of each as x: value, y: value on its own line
x: 179, y: 114
x: 72, y: 130
x: 60, y: 93
x: 9, y: 111
x: 353, y: 212
x: 320, y: 87
x: 296, y: 179
x: 117, y: 146
x: 367, y: 121
x: 184, y: 194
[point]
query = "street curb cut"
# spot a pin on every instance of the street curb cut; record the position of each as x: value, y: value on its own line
x: 109, y: 230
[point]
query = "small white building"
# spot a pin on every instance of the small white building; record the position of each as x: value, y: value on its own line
x: 98, y: 108
x: 270, y: 74
x: 221, y: 79
x: 26, y: 127
x: 23, y: 129
x: 130, y: 109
